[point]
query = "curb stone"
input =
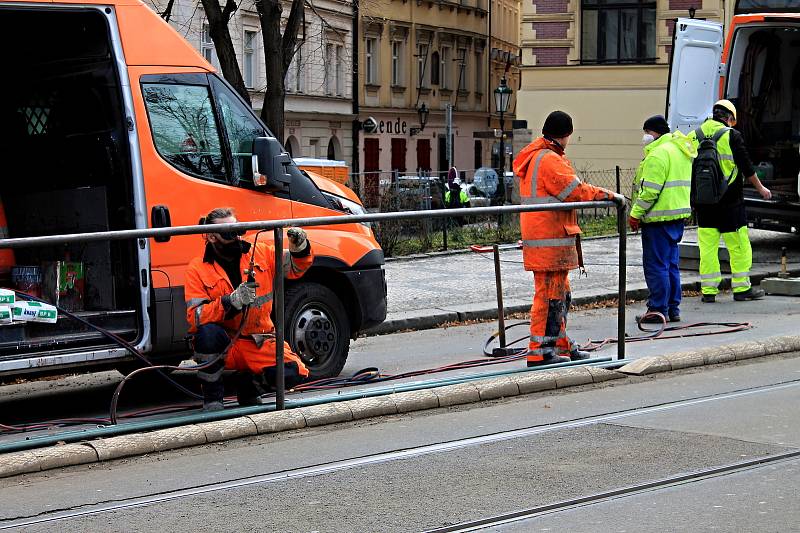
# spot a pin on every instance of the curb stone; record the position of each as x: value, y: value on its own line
x: 31, y: 461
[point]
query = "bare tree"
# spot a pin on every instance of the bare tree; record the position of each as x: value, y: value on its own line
x: 218, y: 19
x: 279, y: 49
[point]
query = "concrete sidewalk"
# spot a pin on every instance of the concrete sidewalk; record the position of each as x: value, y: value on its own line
x: 426, y: 291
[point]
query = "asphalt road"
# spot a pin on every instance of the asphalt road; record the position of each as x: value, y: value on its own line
x: 663, y: 425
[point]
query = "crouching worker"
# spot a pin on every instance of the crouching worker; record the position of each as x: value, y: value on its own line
x: 549, y: 238
x: 218, y: 296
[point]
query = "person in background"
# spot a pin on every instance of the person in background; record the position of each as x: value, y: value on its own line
x: 727, y: 218
x: 219, y: 296
x: 549, y: 245
x: 660, y: 208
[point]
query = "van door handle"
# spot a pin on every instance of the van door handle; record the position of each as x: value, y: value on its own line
x: 159, y: 218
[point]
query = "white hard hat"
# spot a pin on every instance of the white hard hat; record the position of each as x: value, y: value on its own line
x: 457, y: 181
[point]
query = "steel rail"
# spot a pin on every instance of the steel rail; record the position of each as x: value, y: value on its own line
x: 382, y: 457
x: 117, y: 235
x: 631, y: 490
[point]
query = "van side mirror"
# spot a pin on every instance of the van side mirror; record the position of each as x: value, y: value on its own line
x: 269, y: 164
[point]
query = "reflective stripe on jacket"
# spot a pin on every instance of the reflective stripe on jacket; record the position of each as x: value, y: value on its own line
x: 546, y: 176
x: 710, y: 127
x: 207, y: 283
x: 664, y: 179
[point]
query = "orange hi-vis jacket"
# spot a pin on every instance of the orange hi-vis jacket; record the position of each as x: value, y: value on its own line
x: 206, y: 284
x: 546, y: 176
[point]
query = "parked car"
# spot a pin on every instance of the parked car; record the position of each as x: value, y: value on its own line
x: 413, y: 192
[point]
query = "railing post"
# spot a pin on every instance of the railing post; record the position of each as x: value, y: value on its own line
x: 501, y: 319
x: 622, y: 221
x: 277, y: 291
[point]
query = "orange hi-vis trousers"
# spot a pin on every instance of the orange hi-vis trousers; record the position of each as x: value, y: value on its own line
x: 551, y: 302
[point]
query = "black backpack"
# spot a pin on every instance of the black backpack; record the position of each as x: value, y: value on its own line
x: 709, y: 183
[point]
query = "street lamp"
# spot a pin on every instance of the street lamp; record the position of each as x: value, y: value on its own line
x: 423, y: 119
x: 502, y: 97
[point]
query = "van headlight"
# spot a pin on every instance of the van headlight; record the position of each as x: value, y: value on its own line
x: 346, y: 206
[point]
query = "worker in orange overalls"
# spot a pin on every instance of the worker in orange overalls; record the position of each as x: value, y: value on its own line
x: 549, y: 238
x: 217, y: 294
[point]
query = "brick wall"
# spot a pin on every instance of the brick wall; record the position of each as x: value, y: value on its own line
x: 670, y: 27
x: 550, y: 6
x: 685, y: 4
x: 551, y: 30
x: 548, y: 57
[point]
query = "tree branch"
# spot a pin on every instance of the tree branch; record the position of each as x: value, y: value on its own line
x: 289, y: 44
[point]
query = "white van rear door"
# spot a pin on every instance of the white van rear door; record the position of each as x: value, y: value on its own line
x: 694, y: 73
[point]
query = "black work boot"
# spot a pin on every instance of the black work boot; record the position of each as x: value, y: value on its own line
x: 709, y: 298
x: 248, y: 389
x: 749, y: 294
x: 213, y: 395
x: 579, y: 355
x: 550, y: 358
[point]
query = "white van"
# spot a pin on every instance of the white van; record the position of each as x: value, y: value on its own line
x: 757, y: 68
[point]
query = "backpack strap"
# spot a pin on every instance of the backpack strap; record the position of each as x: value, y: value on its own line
x: 699, y: 134
x: 718, y: 135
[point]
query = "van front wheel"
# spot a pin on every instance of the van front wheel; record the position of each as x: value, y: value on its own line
x: 317, y: 328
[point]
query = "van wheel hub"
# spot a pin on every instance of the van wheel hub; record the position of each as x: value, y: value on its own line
x: 314, y: 335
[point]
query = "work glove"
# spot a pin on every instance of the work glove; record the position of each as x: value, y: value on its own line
x: 298, y: 240
x: 634, y: 224
x: 245, y: 294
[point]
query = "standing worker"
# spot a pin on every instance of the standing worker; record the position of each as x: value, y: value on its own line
x: 550, y: 238
x: 456, y: 197
x: 727, y: 216
x: 219, y: 294
x: 660, y: 208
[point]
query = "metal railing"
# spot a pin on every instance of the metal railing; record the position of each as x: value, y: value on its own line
x: 277, y: 226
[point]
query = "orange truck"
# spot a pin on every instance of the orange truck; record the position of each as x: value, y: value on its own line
x: 115, y: 122
x: 757, y: 67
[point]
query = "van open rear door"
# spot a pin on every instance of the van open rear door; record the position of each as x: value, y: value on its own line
x: 694, y: 73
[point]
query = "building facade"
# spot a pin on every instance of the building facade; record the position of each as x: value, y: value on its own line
x: 435, y: 53
x: 319, y: 83
x: 604, y: 62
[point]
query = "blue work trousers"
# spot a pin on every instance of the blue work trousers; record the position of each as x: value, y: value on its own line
x: 660, y: 257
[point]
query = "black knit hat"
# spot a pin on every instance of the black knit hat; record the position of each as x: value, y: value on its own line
x: 657, y: 124
x: 557, y: 124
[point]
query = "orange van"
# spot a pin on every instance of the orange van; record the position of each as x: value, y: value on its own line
x: 757, y: 67
x: 110, y: 120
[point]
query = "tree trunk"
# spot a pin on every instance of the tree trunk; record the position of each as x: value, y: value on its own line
x: 278, y: 53
x: 218, y: 25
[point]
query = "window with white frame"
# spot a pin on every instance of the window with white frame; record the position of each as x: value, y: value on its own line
x: 422, y: 61
x: 445, y: 76
x: 207, y: 46
x: 294, y: 76
x: 329, y: 68
x: 340, y: 70
x: 462, y: 69
x: 397, y: 63
x: 371, y: 53
x: 250, y: 59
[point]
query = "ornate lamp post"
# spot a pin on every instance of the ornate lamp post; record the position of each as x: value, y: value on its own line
x: 502, y: 97
x: 423, y: 119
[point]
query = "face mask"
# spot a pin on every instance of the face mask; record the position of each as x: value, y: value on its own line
x: 647, y: 139
x: 228, y: 250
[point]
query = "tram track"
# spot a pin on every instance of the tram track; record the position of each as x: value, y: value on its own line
x: 631, y: 490
x: 86, y: 510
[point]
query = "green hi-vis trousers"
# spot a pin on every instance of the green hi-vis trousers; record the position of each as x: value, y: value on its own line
x: 741, y: 254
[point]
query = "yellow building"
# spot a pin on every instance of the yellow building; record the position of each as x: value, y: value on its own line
x: 430, y: 53
x: 605, y: 63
